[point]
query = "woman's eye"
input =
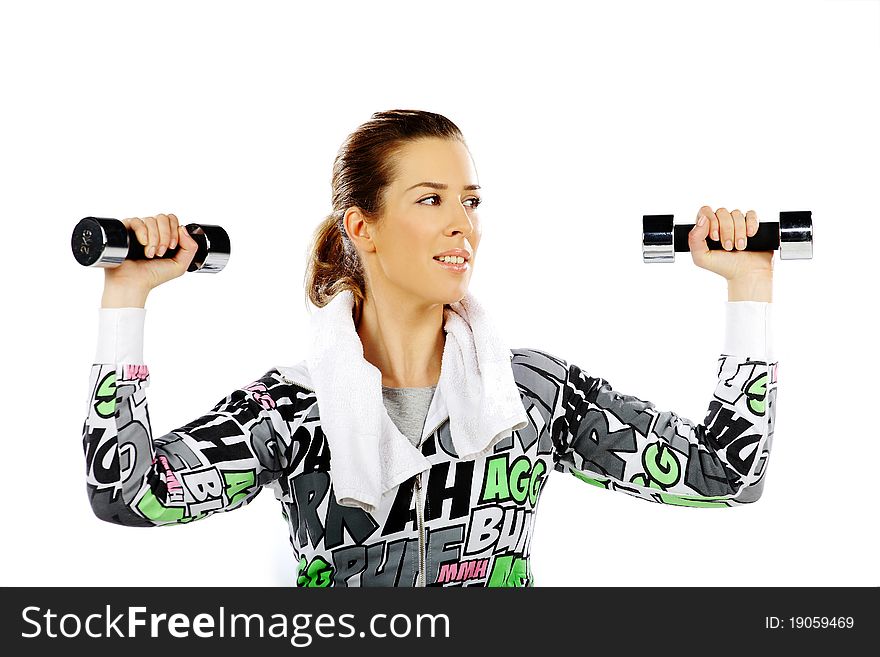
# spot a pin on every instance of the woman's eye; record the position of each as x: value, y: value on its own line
x: 475, y: 200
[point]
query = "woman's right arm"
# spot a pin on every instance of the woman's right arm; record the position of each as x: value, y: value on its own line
x: 217, y: 462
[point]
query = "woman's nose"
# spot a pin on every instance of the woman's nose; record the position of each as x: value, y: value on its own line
x: 462, y: 221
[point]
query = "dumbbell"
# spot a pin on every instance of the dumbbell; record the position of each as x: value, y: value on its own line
x: 792, y: 235
x: 103, y: 242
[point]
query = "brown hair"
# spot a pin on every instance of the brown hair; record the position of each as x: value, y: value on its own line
x: 364, y: 167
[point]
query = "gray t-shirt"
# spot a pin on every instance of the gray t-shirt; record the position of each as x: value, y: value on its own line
x: 408, y: 409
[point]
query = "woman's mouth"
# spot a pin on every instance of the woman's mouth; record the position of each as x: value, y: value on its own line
x: 453, y: 263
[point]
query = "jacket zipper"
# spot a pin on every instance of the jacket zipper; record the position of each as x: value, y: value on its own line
x: 439, y: 424
x: 420, y: 516
x: 418, y: 487
x: 296, y: 383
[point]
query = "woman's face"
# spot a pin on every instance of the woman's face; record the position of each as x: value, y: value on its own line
x: 430, y: 208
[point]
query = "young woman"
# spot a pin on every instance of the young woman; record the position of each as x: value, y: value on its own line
x: 411, y: 446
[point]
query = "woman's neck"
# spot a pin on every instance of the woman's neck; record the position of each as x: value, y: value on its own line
x: 403, y: 341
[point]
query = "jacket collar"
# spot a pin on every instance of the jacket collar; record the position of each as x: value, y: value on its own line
x: 369, y: 454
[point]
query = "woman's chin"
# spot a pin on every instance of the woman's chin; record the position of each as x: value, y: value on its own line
x: 449, y: 297
x: 457, y: 296
x: 446, y: 292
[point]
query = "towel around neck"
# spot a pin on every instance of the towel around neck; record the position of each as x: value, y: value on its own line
x: 369, y: 456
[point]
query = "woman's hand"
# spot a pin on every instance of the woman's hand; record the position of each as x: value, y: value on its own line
x: 130, y: 282
x: 729, y: 228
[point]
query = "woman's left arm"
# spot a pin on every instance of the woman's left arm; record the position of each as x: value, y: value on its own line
x: 620, y: 442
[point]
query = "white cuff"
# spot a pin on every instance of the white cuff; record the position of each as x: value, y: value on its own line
x: 120, y: 335
x: 749, y: 330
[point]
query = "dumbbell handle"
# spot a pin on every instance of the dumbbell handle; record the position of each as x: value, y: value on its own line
x: 766, y: 239
x: 106, y: 242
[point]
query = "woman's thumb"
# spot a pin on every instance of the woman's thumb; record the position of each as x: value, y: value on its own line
x: 187, y: 248
x: 697, y: 237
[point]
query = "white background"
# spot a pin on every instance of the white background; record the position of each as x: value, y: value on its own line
x: 581, y: 117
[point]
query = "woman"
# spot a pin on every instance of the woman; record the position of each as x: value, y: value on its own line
x: 411, y: 446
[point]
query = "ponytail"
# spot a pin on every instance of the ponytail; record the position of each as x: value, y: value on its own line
x: 334, y: 265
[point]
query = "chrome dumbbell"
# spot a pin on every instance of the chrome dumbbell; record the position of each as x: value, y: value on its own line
x: 792, y: 235
x: 103, y: 242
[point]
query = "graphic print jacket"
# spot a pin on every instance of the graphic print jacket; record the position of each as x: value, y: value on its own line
x: 458, y: 523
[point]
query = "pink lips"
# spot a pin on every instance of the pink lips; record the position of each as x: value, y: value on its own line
x: 454, y: 266
x: 461, y: 253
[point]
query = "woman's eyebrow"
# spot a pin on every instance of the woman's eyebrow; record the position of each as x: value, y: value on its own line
x: 437, y: 185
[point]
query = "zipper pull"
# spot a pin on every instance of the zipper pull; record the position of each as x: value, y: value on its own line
x: 419, y: 481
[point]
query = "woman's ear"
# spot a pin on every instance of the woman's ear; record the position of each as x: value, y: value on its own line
x: 358, y: 230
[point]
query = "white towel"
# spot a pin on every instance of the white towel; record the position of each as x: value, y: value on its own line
x: 368, y: 453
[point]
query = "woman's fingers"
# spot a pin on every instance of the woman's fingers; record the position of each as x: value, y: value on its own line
x: 158, y: 233
x: 163, y: 222
x: 731, y: 229
x: 140, y: 229
x: 173, y: 227
x: 152, y: 236
x: 739, y: 229
x: 713, y: 223
x: 725, y: 228
x: 751, y: 223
